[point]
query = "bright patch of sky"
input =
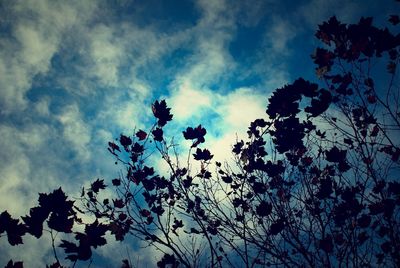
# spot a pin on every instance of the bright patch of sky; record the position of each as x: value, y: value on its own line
x: 75, y: 74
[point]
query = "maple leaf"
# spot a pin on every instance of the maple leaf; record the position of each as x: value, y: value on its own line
x: 237, y: 148
x: 61, y: 222
x: 158, y: 134
x: 119, y: 230
x: 168, y: 261
x: 95, y: 233
x: 124, y: 140
x: 320, y: 105
x: 263, y: 209
x: 284, y: 102
x: 277, y: 227
x: 197, y: 134
x: 161, y: 112
x: 12, y: 227
x: 325, y: 189
x: 97, y: 185
x: 69, y: 247
x: 34, y: 222
x: 12, y: 264
x: 202, y: 155
x: 335, y: 155
x: 118, y: 203
x: 141, y: 135
x: 112, y: 147
x: 227, y: 179
x: 116, y: 182
x: 306, y: 88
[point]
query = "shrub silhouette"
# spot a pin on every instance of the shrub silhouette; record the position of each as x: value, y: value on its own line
x: 314, y: 185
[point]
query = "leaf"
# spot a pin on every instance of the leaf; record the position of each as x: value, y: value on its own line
x: 158, y: 134
x: 13, y: 228
x: 112, y: 147
x: 124, y: 140
x: 227, y: 179
x: 34, y: 222
x: 202, y: 155
x: 168, y: 261
x: 325, y: 189
x: 118, y: 203
x: 141, y: 135
x: 116, y: 182
x: 237, y: 148
x: 284, y: 102
x: 81, y: 252
x: 288, y: 134
x: 60, y: 222
x: 126, y: 264
x: 197, y: 134
x: 97, y: 185
x: 277, y: 227
x: 161, y: 112
x: 69, y: 247
x: 17, y: 264
x: 306, y: 88
x: 335, y: 155
x: 264, y: 209
x: 320, y: 105
x: 95, y: 233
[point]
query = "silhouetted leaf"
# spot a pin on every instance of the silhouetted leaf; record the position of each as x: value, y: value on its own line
x: 95, y: 232
x: 197, y: 134
x: 161, y: 112
x: 116, y: 182
x: 17, y: 264
x: 227, y: 179
x: 97, y: 185
x: 12, y: 227
x: 118, y: 203
x: 124, y: 140
x: 320, y: 105
x: 263, y: 209
x: 277, y: 227
x: 202, y: 155
x: 141, y: 135
x: 34, y: 222
x: 335, y: 155
x: 168, y: 261
x: 158, y: 134
x: 284, y: 102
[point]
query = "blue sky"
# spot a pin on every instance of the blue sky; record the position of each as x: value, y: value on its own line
x: 74, y: 74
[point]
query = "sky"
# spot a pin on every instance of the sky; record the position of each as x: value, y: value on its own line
x: 75, y: 74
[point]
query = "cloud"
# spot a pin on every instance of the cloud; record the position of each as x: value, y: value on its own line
x: 36, y: 29
x: 187, y: 101
x: 75, y: 131
x: 280, y: 34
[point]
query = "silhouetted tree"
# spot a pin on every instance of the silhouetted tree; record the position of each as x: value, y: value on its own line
x: 314, y: 185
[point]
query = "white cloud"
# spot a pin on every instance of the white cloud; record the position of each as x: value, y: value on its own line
x: 75, y: 131
x: 36, y: 28
x: 242, y: 106
x: 279, y: 34
x: 187, y: 101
